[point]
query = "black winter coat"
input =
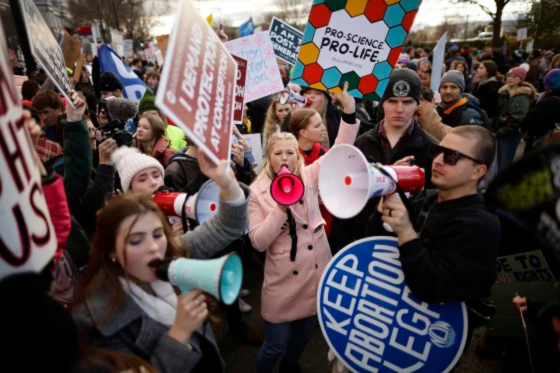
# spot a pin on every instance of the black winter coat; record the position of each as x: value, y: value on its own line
x: 466, y: 113
x: 542, y: 119
x: 487, y: 94
x: 454, y: 257
x: 418, y: 144
x: 334, y: 115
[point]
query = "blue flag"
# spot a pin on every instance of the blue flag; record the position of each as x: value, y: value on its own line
x: 133, y: 87
x: 247, y: 28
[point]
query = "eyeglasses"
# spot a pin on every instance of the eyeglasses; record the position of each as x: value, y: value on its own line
x: 450, y: 156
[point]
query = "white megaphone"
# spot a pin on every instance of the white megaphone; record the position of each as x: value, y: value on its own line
x: 287, y: 188
x: 290, y: 97
x: 220, y: 277
x: 200, y: 207
x: 347, y: 180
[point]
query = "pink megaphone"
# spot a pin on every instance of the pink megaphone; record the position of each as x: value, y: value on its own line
x: 290, y: 97
x: 287, y: 189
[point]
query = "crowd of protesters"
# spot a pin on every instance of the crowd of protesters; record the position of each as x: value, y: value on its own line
x: 489, y: 108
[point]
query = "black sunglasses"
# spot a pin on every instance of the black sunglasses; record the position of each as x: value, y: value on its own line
x: 450, y: 156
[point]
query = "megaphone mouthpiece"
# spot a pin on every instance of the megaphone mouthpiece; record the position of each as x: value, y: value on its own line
x: 162, y: 268
x: 287, y: 189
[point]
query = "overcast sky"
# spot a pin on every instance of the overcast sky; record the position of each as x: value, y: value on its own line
x: 432, y: 12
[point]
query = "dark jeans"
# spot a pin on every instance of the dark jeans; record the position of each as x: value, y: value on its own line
x: 288, y: 337
x: 507, y: 145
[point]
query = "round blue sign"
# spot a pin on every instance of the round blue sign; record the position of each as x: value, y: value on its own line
x: 372, y: 321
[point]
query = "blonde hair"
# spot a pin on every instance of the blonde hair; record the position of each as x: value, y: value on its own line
x: 158, y: 131
x: 272, y: 121
x: 282, y: 136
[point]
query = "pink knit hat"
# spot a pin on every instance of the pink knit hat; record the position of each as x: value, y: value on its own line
x: 520, y: 72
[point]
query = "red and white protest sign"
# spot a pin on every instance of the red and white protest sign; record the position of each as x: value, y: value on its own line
x: 45, y: 48
x: 197, y: 87
x: 240, y: 89
x: 27, y: 237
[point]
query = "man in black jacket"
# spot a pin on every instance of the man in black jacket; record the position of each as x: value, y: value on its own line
x: 396, y: 137
x: 449, y: 243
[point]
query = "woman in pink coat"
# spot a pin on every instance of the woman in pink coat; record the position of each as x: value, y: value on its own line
x: 296, y: 245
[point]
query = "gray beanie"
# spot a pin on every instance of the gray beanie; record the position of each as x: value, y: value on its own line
x: 454, y: 76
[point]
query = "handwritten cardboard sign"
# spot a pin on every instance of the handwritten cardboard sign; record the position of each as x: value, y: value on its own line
x: 27, y: 237
x: 263, y: 74
x: 527, y: 275
x: 286, y: 40
x: 240, y: 89
x: 71, y: 48
x: 197, y: 87
x: 45, y: 48
x: 355, y: 41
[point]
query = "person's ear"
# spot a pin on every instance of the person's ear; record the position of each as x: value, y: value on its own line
x: 480, y: 171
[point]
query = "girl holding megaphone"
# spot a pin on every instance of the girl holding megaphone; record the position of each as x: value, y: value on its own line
x: 125, y: 306
x: 293, y: 236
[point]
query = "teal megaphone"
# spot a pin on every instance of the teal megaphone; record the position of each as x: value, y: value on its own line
x: 220, y: 277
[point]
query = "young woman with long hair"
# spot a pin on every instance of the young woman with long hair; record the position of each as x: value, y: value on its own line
x: 151, y: 140
x: 463, y: 67
x: 487, y: 87
x: 297, y: 250
x: 126, y: 308
x: 329, y: 113
x: 274, y: 118
x: 310, y: 135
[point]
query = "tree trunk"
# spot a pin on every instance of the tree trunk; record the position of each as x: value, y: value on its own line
x: 496, y: 40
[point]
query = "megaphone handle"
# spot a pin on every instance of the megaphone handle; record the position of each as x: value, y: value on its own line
x: 388, y: 228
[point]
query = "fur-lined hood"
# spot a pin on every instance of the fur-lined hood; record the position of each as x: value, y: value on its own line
x: 524, y: 88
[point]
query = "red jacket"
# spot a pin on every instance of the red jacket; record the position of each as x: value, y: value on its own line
x: 59, y: 212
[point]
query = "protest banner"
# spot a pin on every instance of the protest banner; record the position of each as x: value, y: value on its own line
x: 197, y: 86
x: 45, y: 48
x: 527, y: 275
x: 19, y: 79
x: 373, y: 323
x: 133, y: 87
x: 239, y: 89
x: 437, y: 65
x: 71, y: 48
x: 150, y: 56
x: 27, y: 238
x: 263, y: 74
x: 117, y: 42
x: 162, y: 42
x: 354, y: 41
x: 128, y: 47
x: 521, y: 34
x: 285, y: 39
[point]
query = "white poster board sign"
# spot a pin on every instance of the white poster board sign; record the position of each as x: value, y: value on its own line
x: 27, y: 237
x: 521, y: 34
x: 255, y: 142
x: 263, y: 75
x: 437, y: 63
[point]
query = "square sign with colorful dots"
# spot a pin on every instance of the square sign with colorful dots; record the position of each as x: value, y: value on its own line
x: 354, y: 41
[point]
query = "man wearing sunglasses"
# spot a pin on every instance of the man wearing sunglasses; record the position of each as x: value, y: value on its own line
x: 448, y: 241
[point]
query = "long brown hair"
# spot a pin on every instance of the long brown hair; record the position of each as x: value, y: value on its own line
x: 102, y: 270
x: 491, y: 68
x: 300, y: 120
x: 158, y: 131
x: 272, y: 121
x: 322, y: 110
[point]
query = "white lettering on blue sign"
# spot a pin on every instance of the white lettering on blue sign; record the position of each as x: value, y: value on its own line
x: 374, y: 323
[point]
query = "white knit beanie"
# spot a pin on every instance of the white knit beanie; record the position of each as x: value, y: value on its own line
x: 129, y: 162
